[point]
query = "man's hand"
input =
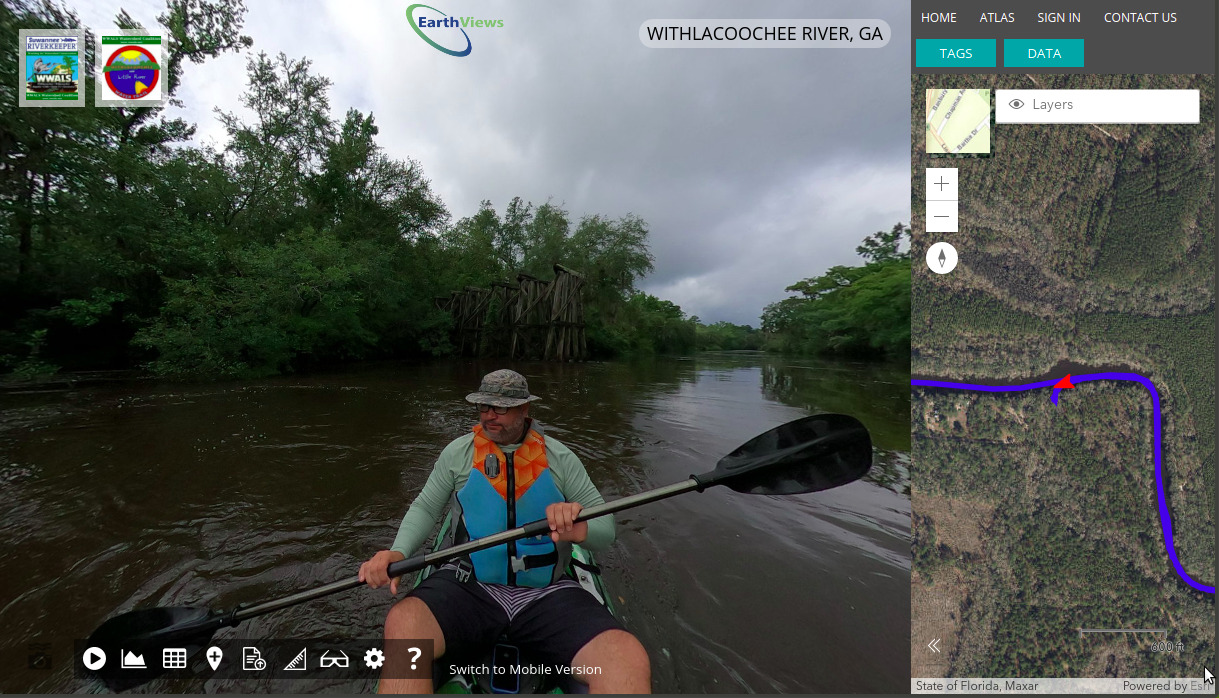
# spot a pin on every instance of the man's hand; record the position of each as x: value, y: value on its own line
x: 562, y: 516
x: 374, y: 571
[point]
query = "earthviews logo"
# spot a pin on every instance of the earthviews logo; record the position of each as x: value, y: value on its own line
x: 439, y: 28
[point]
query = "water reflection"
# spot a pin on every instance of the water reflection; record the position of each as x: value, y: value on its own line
x: 139, y: 493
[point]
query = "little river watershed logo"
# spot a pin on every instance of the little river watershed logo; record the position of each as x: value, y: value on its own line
x: 439, y: 25
x: 131, y: 72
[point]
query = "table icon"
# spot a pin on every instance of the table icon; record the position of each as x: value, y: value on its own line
x: 173, y: 658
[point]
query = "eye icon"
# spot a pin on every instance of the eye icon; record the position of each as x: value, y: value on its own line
x: 1015, y: 104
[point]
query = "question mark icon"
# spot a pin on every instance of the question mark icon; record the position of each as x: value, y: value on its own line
x: 416, y: 653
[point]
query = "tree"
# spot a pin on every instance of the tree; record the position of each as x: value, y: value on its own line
x: 855, y: 311
x: 610, y: 254
x: 885, y: 245
x: 326, y: 248
x: 79, y: 220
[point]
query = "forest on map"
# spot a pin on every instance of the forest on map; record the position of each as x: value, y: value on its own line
x: 1092, y: 245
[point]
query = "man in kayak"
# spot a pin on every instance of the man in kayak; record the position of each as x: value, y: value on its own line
x: 502, y: 475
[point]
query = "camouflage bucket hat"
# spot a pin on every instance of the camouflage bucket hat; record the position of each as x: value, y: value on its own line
x: 502, y: 388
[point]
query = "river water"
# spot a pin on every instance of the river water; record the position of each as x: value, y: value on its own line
x: 129, y: 494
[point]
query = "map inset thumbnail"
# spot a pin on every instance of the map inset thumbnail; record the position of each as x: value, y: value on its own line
x: 958, y: 121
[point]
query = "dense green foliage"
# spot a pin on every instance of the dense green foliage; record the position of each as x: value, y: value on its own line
x: 850, y: 311
x: 1070, y: 536
x: 646, y: 324
x: 726, y: 336
x: 297, y: 242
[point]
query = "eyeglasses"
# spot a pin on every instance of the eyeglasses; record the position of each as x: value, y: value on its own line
x: 498, y: 409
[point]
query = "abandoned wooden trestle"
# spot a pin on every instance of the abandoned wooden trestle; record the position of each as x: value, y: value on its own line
x: 532, y: 319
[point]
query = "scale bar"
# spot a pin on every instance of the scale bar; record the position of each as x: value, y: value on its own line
x: 1121, y: 630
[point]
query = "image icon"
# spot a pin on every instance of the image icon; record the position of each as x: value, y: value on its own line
x: 129, y: 69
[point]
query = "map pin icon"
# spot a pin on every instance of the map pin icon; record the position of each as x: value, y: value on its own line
x: 213, y: 656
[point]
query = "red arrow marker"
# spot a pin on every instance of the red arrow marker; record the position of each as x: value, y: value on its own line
x: 1064, y: 383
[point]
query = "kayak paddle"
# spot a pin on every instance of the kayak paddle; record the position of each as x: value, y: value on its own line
x: 810, y: 454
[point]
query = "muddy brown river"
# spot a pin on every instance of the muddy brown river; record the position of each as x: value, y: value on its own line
x: 125, y: 494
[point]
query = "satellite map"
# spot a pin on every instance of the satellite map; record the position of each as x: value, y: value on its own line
x: 1063, y: 417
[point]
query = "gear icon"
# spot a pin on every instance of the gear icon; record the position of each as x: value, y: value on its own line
x: 374, y: 658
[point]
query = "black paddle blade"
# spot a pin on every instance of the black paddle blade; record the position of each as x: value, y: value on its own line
x: 808, y: 455
x: 147, y: 632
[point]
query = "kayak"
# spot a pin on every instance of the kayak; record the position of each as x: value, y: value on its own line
x: 583, y: 568
x: 585, y: 571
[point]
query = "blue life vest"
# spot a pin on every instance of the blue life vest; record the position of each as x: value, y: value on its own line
x: 503, y: 491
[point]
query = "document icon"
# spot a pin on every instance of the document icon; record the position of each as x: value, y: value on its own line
x: 251, y: 659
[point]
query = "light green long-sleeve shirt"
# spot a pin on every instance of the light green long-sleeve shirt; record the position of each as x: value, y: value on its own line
x: 452, y: 469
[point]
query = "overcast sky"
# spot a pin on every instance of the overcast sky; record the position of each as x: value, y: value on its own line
x: 753, y: 168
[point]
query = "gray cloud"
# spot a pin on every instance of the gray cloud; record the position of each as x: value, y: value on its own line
x: 754, y: 168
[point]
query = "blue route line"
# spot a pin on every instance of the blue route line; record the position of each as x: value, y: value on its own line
x: 1165, y: 518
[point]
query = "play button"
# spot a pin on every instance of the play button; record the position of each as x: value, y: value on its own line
x: 95, y: 658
